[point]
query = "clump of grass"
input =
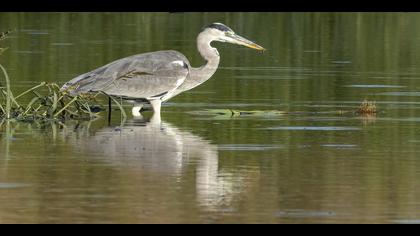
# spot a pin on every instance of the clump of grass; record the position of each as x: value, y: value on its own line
x: 47, y: 102
x: 367, y: 108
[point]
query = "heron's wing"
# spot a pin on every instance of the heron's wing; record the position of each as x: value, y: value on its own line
x: 149, y: 75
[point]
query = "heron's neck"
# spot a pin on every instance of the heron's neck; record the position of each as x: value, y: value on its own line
x: 210, y: 54
x: 201, y: 74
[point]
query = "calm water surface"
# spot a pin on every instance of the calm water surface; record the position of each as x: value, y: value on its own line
x: 312, y: 165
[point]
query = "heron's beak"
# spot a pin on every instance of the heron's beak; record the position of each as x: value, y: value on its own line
x: 236, y: 39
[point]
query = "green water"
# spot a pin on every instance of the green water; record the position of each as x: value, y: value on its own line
x: 313, y: 165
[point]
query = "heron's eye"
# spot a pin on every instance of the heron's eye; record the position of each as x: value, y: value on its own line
x: 228, y: 33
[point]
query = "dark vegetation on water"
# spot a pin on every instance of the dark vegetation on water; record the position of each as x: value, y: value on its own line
x: 367, y: 108
x: 47, y: 102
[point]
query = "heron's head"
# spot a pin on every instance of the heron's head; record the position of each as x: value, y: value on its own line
x: 222, y: 33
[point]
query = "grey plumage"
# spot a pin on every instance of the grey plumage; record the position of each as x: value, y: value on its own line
x: 156, y: 77
x: 145, y: 75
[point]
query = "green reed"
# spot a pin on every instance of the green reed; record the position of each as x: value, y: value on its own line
x: 8, y: 93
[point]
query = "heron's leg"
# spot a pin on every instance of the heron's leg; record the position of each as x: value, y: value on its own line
x: 156, y: 104
x: 136, y: 110
x: 109, y: 110
x: 155, y: 119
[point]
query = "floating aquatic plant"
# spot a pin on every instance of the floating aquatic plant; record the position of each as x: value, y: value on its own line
x: 230, y: 113
x: 364, y: 109
x: 367, y: 108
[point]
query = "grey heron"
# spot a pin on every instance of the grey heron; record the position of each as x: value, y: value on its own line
x: 155, y: 77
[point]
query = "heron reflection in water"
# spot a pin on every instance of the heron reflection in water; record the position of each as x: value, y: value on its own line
x: 150, y: 149
x: 156, y: 77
